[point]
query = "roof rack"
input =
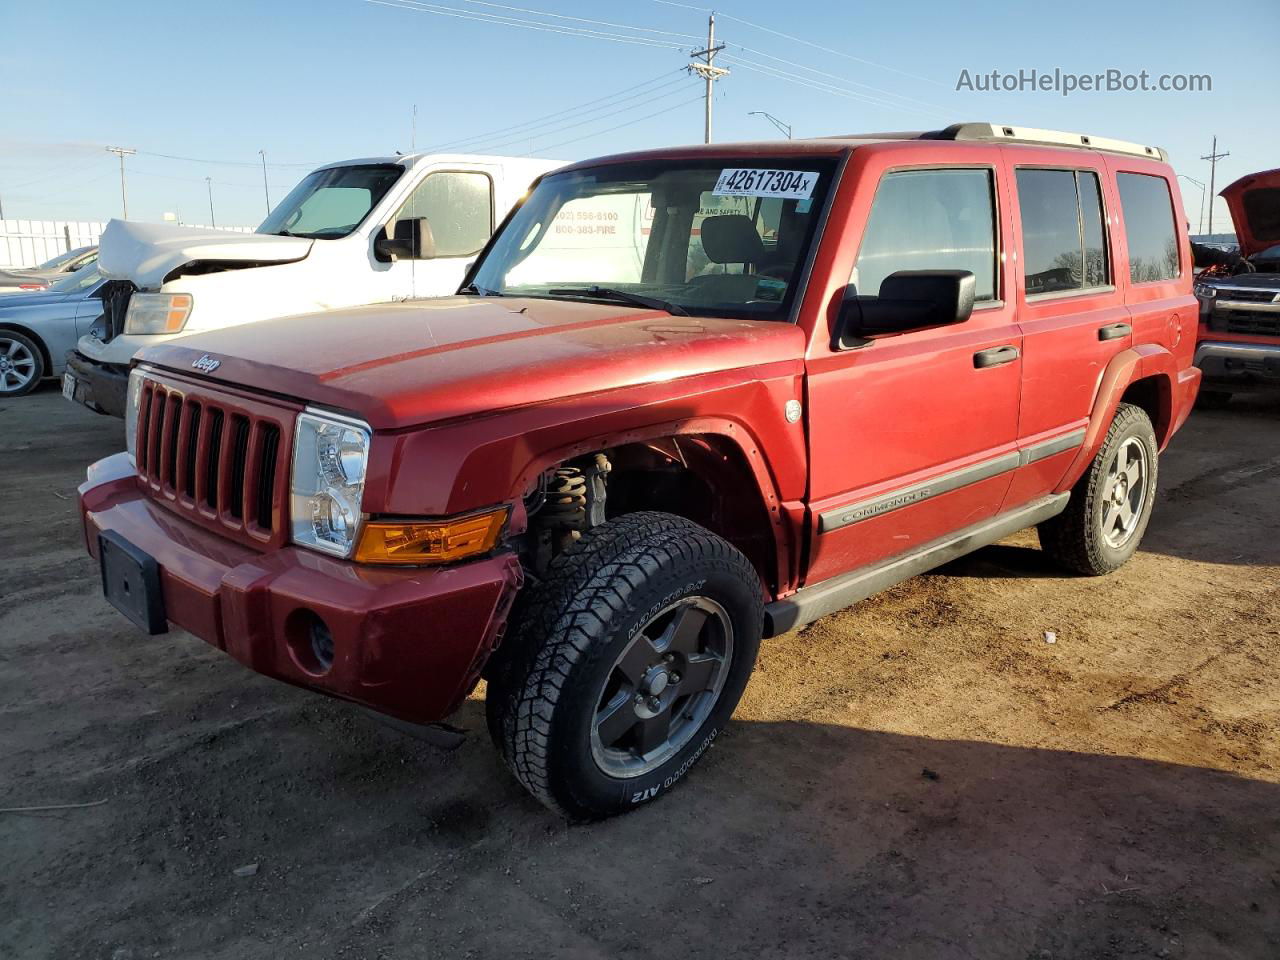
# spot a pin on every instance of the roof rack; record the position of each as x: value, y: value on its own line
x: 1031, y: 135
x: 1052, y: 138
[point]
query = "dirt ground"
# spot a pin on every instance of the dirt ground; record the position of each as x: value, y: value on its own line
x: 922, y: 776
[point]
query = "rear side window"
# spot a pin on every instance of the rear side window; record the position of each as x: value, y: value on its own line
x: 458, y: 208
x: 930, y: 220
x: 1064, y: 245
x: 1149, y: 226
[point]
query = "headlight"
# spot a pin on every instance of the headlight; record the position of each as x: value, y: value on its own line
x: 157, y: 312
x: 1206, y: 291
x: 132, y: 397
x: 330, y: 454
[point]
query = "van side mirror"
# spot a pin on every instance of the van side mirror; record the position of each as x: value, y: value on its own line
x: 908, y: 300
x: 412, y: 240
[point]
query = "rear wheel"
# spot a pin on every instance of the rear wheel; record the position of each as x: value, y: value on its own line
x: 1111, y: 504
x: 21, y: 364
x: 627, y: 661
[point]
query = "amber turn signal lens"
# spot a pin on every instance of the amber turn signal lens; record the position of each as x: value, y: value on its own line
x: 435, y: 541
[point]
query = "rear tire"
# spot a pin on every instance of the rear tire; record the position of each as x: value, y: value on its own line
x: 1111, y: 504
x: 21, y: 364
x: 626, y: 662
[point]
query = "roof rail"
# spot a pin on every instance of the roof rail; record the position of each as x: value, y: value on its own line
x: 1052, y: 138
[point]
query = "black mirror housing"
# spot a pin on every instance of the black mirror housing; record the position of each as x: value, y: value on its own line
x: 412, y: 240
x: 908, y: 300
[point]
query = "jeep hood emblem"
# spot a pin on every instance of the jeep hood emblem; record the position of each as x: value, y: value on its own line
x: 206, y: 364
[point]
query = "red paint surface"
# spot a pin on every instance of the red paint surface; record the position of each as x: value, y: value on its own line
x: 471, y: 398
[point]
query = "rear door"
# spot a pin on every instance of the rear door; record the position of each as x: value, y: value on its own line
x: 1156, y: 258
x: 912, y: 435
x: 1071, y: 312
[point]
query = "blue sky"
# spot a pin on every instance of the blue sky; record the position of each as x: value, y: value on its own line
x: 310, y: 82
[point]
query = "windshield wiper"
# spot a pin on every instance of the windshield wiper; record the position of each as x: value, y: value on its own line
x: 477, y: 291
x: 609, y: 293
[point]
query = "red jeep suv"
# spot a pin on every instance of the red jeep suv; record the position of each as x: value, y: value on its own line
x: 686, y: 398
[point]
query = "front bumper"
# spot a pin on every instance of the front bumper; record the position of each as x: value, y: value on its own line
x: 408, y: 642
x: 1239, y: 364
x: 99, y: 386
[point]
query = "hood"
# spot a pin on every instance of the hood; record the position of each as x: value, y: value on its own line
x: 150, y: 253
x: 1254, y: 201
x: 402, y: 364
x: 34, y: 298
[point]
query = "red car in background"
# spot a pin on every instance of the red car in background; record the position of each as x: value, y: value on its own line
x: 1239, y: 336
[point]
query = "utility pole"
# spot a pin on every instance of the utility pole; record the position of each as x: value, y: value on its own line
x: 1213, y: 158
x: 707, y: 69
x: 208, y: 182
x: 413, y: 130
x: 122, y: 152
x: 265, y: 192
x: 783, y: 127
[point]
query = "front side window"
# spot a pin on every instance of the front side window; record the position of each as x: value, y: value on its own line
x: 711, y: 238
x: 331, y: 203
x: 930, y: 220
x: 1149, y: 227
x: 455, y: 210
x: 1064, y: 245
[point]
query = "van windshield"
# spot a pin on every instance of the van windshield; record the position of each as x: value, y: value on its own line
x: 331, y: 203
x: 723, y: 237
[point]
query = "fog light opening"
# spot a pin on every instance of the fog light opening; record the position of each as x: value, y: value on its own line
x: 310, y: 642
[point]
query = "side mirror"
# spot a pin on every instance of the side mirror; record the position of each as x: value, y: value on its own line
x: 412, y: 240
x: 908, y: 300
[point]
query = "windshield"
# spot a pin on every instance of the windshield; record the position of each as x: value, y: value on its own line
x: 331, y: 203
x: 722, y: 238
x: 82, y: 279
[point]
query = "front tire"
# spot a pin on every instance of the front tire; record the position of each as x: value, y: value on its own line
x: 626, y: 663
x: 21, y: 364
x: 1111, y: 504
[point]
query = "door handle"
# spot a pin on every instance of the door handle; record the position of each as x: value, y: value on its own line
x: 995, y: 356
x: 1114, y: 331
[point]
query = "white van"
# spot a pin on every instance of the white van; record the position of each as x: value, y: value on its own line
x: 356, y: 232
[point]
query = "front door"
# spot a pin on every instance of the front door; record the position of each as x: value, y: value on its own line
x: 455, y: 212
x: 913, y: 435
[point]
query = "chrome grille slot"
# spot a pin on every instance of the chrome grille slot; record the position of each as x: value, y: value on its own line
x: 215, y: 460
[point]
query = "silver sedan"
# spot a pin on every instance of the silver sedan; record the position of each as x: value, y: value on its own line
x: 37, y: 329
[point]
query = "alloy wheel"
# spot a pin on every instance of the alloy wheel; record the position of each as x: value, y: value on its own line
x: 662, y: 687
x: 17, y: 365
x: 1124, y: 492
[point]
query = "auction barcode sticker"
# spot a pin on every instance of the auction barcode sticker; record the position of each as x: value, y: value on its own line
x: 744, y: 182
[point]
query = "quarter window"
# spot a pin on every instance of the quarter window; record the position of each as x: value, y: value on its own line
x: 1064, y: 245
x: 1149, y: 227
x: 930, y: 220
x: 458, y: 209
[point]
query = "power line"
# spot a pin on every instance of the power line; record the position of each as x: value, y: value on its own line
x: 419, y: 7
x: 597, y: 133
x: 612, y: 112
x: 578, y: 123
x: 567, y: 111
x: 599, y: 23
x: 226, y: 163
x: 833, y: 76
x: 773, y: 72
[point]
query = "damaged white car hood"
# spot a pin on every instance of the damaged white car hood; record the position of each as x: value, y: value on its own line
x: 146, y: 253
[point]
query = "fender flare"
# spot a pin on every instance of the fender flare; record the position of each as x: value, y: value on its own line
x: 723, y: 429
x: 1143, y: 362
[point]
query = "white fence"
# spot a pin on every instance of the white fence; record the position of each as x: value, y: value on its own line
x: 29, y: 243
